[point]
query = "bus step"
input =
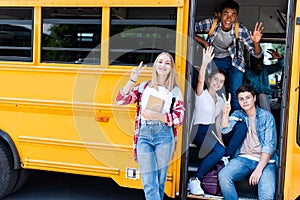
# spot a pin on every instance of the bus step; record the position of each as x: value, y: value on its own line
x: 205, y: 196
x: 245, y: 190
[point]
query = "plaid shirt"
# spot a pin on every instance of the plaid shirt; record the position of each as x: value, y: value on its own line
x: 173, y: 119
x: 244, y: 37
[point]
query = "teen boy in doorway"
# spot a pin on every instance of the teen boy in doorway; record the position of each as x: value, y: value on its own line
x: 257, y: 156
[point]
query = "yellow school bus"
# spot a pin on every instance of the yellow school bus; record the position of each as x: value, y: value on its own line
x: 62, y: 64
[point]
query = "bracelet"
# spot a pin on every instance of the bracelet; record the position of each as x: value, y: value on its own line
x: 133, y: 81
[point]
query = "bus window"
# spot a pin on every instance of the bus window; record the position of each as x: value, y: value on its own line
x: 16, y: 34
x: 71, y: 34
x: 140, y: 34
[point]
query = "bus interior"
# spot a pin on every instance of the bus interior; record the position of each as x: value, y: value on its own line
x: 272, y: 14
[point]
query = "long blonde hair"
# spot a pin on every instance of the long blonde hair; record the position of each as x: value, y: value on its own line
x: 171, y: 81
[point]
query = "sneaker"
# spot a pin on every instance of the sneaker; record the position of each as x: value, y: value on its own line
x: 225, y: 160
x: 194, y: 187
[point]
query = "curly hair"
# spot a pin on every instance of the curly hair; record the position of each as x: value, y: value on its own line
x: 230, y: 4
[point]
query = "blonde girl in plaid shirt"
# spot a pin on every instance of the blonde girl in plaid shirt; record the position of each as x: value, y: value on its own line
x: 155, y: 132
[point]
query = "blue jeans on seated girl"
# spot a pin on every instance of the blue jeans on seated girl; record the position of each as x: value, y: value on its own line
x: 211, y: 151
x: 240, y: 168
x: 155, y: 147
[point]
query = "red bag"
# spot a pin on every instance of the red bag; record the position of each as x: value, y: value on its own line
x: 209, y: 181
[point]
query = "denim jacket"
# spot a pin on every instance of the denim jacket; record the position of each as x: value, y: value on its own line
x: 265, y: 128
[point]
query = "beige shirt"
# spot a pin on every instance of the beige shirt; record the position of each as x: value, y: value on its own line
x: 251, y: 146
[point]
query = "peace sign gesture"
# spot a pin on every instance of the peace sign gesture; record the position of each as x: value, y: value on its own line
x: 136, y: 71
x: 226, y: 106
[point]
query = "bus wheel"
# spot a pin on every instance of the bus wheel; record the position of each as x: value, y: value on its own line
x: 22, y: 179
x: 8, y: 175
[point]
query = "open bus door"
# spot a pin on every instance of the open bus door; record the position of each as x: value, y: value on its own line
x: 281, y: 20
x: 289, y: 172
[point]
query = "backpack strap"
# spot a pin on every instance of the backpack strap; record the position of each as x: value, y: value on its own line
x: 171, y: 109
x: 236, y: 33
x: 236, y: 30
x: 172, y: 104
x: 213, y: 26
x: 174, y: 95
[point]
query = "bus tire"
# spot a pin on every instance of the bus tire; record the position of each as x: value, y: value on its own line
x: 8, y: 175
x: 23, y: 175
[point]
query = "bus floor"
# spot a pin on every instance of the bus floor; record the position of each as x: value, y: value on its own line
x: 212, y: 197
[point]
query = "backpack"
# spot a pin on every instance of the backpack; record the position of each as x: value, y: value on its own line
x: 236, y: 31
x: 210, y: 182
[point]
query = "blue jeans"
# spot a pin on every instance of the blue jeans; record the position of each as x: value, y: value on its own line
x: 212, y: 151
x: 155, y: 147
x: 235, y: 77
x: 240, y: 168
x: 235, y: 138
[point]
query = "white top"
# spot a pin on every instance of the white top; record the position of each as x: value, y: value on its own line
x: 206, y: 110
x: 162, y: 93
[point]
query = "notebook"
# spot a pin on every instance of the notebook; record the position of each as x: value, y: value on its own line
x: 217, y: 137
x: 155, y: 104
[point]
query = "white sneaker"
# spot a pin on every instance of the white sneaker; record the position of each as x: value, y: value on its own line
x: 194, y: 187
x: 225, y: 159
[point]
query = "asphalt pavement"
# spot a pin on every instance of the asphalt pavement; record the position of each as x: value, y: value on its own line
x: 55, y: 186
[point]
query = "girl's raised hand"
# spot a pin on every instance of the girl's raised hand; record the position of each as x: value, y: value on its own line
x: 208, y: 55
x: 136, y: 71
